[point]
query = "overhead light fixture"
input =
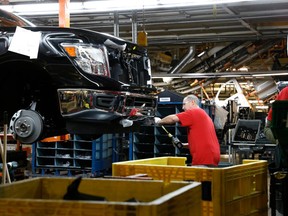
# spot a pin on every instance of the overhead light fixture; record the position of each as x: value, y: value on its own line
x: 244, y: 68
x: 271, y: 101
x: 201, y: 54
x: 167, y: 79
x: 262, y: 107
x: 256, y: 101
x: 41, y: 8
x: 109, y: 5
x: 270, y: 74
x: 222, y: 74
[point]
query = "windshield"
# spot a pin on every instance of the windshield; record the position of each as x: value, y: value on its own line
x: 8, y: 19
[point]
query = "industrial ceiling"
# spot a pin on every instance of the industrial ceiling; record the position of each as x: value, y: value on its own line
x: 197, y: 47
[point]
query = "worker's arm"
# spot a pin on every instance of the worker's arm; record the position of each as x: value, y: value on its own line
x: 170, y: 119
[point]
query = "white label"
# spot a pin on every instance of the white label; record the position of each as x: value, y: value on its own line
x: 164, y: 99
x: 25, y: 42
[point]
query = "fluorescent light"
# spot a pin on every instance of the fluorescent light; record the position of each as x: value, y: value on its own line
x: 244, y: 68
x: 8, y: 8
x: 262, y: 107
x: 109, y: 5
x: 230, y: 74
x: 183, y: 3
x: 52, y: 7
x: 201, y: 54
x: 167, y: 79
x: 41, y: 8
x: 269, y: 74
x: 256, y: 101
x: 116, y: 5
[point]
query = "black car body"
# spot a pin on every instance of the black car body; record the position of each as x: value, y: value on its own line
x: 82, y: 82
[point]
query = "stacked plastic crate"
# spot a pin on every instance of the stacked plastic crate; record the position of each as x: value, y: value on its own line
x: 73, y: 155
x: 234, y: 190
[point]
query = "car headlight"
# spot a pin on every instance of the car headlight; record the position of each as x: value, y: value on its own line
x: 89, y: 58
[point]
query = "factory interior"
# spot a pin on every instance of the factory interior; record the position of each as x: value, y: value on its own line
x: 96, y: 97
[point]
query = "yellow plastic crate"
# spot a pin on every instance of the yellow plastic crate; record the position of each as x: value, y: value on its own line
x: 235, y: 190
x: 44, y: 196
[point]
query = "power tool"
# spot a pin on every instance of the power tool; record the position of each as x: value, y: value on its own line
x: 175, y: 141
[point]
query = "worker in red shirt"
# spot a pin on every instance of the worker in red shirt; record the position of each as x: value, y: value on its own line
x: 280, y: 154
x: 202, y: 140
x: 283, y: 95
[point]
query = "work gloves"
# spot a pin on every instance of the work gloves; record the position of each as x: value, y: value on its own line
x: 157, y: 120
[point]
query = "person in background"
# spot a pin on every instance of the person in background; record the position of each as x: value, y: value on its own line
x: 283, y: 95
x: 280, y: 154
x: 202, y: 139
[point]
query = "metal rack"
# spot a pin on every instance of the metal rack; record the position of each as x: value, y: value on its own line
x: 247, y: 150
x: 74, y: 155
x: 153, y: 141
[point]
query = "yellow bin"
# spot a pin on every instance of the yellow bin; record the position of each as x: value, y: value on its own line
x: 228, y: 191
x: 44, y: 196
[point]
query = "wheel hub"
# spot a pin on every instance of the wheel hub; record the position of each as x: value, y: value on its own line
x: 26, y: 126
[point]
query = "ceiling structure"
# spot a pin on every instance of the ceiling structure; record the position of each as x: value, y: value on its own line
x: 197, y: 47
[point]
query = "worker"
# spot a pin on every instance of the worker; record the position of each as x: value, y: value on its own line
x: 280, y: 157
x: 283, y: 95
x: 202, y: 140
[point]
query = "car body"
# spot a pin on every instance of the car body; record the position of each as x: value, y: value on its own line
x: 81, y: 82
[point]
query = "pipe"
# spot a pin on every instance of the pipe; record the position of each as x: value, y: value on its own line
x: 134, y: 27
x: 5, y: 171
x: 116, y: 24
x: 184, y: 61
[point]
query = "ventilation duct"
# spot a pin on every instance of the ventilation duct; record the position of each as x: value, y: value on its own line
x: 184, y: 61
x: 265, y: 89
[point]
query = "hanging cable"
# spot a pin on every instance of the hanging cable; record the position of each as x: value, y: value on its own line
x: 142, y: 35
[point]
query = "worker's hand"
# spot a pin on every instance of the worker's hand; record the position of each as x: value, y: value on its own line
x: 157, y: 120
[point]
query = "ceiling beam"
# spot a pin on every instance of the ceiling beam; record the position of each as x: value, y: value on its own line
x: 228, y: 74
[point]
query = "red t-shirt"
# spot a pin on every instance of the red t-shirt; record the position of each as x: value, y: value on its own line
x: 203, y: 143
x: 283, y: 95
